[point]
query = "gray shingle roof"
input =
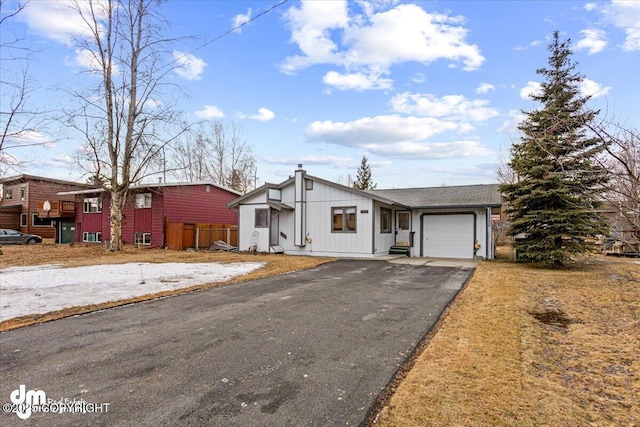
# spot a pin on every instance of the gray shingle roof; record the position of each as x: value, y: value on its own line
x: 457, y: 196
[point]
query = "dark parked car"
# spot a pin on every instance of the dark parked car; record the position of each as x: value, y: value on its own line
x: 14, y: 237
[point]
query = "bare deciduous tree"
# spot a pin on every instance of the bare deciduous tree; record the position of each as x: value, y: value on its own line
x: 19, y: 122
x: 126, y: 115
x: 220, y: 154
x: 622, y: 160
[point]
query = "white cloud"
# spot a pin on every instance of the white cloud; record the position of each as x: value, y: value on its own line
x: 449, y: 106
x: 335, y: 161
x: 209, y: 112
x: 590, y: 6
x: 593, y: 89
x: 594, y: 41
x: 264, y: 115
x: 429, y: 150
x: 515, y: 117
x: 26, y: 138
x: 626, y: 16
x: 531, y: 89
x: 241, y: 19
x: 58, y: 20
x: 485, y: 87
x: 419, y: 78
x: 395, y: 136
x: 189, y: 67
x: 369, y: 44
x: 356, y: 81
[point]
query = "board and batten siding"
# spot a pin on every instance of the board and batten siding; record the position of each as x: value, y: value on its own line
x: 383, y: 241
x: 246, y: 223
x: 319, y: 203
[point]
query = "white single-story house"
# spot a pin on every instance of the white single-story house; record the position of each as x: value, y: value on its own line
x: 306, y: 215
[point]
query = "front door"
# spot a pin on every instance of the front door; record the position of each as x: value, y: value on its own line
x: 403, y: 228
x: 67, y: 231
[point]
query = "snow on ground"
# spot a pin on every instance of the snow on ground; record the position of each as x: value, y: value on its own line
x: 44, y: 288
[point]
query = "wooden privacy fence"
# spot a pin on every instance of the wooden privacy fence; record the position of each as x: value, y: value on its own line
x: 181, y: 236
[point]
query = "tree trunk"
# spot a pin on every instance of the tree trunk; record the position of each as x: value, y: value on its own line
x: 118, y: 199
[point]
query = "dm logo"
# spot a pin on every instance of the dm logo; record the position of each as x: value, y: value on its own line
x: 26, y: 400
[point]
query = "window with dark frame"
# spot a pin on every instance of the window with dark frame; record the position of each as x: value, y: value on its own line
x: 404, y: 220
x: 23, y: 220
x: 385, y: 220
x: 309, y: 184
x: 343, y: 219
x: 262, y: 218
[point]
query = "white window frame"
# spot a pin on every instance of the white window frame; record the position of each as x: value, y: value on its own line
x: 143, y: 201
x: 24, y: 220
x: 89, y: 203
x: 23, y: 193
x: 141, y: 238
x: 33, y: 221
x: 97, y: 235
x: 8, y: 194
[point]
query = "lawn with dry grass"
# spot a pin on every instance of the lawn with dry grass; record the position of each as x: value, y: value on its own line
x: 82, y: 255
x: 526, y: 346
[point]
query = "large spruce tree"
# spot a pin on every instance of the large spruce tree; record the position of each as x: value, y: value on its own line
x: 364, y: 180
x: 553, y: 203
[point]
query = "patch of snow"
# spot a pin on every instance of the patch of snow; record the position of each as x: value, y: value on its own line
x: 45, y: 288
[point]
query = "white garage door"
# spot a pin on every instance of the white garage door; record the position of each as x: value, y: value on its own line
x: 448, y: 236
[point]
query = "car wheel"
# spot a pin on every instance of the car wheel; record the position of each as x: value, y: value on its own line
x: 32, y: 242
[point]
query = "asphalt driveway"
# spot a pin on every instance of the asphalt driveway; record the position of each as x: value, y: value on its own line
x: 311, y: 348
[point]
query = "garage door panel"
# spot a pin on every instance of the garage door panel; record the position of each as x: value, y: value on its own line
x: 448, y: 236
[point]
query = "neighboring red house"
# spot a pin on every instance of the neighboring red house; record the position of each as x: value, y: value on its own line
x: 21, y: 195
x: 149, y: 208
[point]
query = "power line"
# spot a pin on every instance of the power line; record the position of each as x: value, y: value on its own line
x: 241, y: 25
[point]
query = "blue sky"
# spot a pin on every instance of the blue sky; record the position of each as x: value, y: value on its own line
x: 429, y: 91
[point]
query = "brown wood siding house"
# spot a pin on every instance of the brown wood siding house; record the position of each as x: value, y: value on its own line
x: 23, y: 194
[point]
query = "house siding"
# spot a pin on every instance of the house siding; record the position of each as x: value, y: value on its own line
x: 211, y: 205
x: 319, y: 203
x: 177, y: 204
x: 37, y: 189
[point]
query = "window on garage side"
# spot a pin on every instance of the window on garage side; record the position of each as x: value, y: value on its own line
x: 23, y: 220
x: 385, y: 220
x: 262, y: 218
x: 343, y: 219
x: 143, y: 200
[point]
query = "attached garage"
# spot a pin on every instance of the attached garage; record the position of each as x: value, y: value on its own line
x: 448, y: 235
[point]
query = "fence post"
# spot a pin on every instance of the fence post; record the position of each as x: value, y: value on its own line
x: 197, y: 238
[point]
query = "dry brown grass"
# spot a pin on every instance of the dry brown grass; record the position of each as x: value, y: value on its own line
x: 81, y: 255
x: 524, y: 346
